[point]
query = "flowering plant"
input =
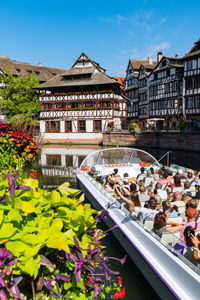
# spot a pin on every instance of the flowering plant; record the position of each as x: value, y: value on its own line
x: 50, y: 244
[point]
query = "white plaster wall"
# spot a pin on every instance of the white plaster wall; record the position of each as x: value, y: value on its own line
x: 89, y: 125
x: 72, y: 135
x: 62, y: 126
x: 42, y: 126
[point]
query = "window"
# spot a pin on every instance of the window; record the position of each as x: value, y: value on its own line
x: 82, y: 126
x: 162, y: 74
x: 53, y: 160
x: 172, y: 71
x: 18, y: 70
x: 97, y: 125
x: 189, y: 83
x: 167, y: 88
x: 29, y: 71
x: 69, y: 160
x: 189, y: 65
x: 52, y: 126
x: 80, y: 159
x: 68, y: 126
x: 37, y: 73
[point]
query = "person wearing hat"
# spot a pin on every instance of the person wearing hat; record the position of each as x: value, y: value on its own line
x: 190, y: 175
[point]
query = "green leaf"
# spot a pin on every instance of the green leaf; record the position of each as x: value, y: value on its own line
x: 58, y: 241
x: 31, y: 266
x: 65, y: 190
x: 7, y: 230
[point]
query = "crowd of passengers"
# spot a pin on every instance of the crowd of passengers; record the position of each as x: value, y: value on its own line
x: 161, y: 196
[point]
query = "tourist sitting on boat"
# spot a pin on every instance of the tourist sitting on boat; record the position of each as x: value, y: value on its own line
x: 196, y: 249
x: 110, y: 187
x: 188, y: 233
x: 187, y: 189
x: 92, y: 171
x: 192, y: 220
x: 114, y: 176
x: 133, y: 199
x: 176, y: 185
x: 169, y: 210
x: 180, y: 173
x: 160, y: 222
x: 190, y: 175
x: 148, y: 179
x: 197, y: 189
x: 142, y: 194
x: 141, y: 175
x: 161, y: 192
x: 165, y: 178
x: 144, y: 212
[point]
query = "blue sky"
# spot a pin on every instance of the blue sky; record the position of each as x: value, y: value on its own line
x: 110, y: 32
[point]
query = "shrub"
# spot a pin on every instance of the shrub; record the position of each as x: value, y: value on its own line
x: 52, y: 242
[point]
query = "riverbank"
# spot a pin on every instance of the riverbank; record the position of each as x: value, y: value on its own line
x: 164, y: 140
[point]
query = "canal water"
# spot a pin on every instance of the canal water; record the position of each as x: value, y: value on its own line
x: 55, y: 166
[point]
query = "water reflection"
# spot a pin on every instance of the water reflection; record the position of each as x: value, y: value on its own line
x: 57, y: 163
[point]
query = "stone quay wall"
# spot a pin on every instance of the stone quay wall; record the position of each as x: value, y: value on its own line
x: 175, y: 141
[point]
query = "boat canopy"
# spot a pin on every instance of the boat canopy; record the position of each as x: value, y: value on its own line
x: 120, y: 157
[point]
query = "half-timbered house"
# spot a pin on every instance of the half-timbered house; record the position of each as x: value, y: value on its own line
x: 133, y: 85
x: 191, y: 82
x: 143, y: 91
x: 81, y: 100
x: 166, y: 88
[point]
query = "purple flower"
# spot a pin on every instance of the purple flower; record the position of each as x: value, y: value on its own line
x: 14, y: 186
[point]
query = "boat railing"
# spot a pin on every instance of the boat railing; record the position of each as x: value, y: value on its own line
x: 119, y: 203
x: 167, y: 154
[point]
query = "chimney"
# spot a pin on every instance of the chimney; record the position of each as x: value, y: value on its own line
x: 39, y: 64
x: 150, y: 60
x: 159, y: 56
x: 176, y: 55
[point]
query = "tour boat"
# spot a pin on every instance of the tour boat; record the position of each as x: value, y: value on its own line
x: 171, y: 275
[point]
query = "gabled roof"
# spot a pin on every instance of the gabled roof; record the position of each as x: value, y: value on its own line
x: 195, y: 50
x: 147, y: 68
x: 23, y: 69
x: 120, y: 80
x: 173, y: 61
x: 95, y: 79
x: 136, y: 63
x: 84, y: 58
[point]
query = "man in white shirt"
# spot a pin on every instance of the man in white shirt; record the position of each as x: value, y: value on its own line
x: 160, y: 192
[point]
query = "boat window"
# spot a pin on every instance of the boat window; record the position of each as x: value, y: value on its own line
x: 118, y: 156
x: 114, y: 156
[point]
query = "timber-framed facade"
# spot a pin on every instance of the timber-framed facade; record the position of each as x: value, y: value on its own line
x: 166, y: 89
x: 191, y: 82
x: 82, y: 100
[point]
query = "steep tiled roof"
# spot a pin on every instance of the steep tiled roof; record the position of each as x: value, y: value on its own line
x: 136, y: 63
x: 96, y: 78
x: 120, y: 80
x: 23, y: 69
x: 195, y: 50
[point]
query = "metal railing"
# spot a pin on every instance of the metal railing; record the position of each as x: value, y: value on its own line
x: 168, y: 158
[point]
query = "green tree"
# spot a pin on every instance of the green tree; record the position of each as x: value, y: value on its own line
x: 18, y: 96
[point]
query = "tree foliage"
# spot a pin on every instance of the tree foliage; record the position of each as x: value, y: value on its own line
x: 18, y: 96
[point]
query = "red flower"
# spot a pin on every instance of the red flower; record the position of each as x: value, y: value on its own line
x: 88, y: 282
x: 119, y: 280
x: 119, y: 294
x: 81, y: 204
